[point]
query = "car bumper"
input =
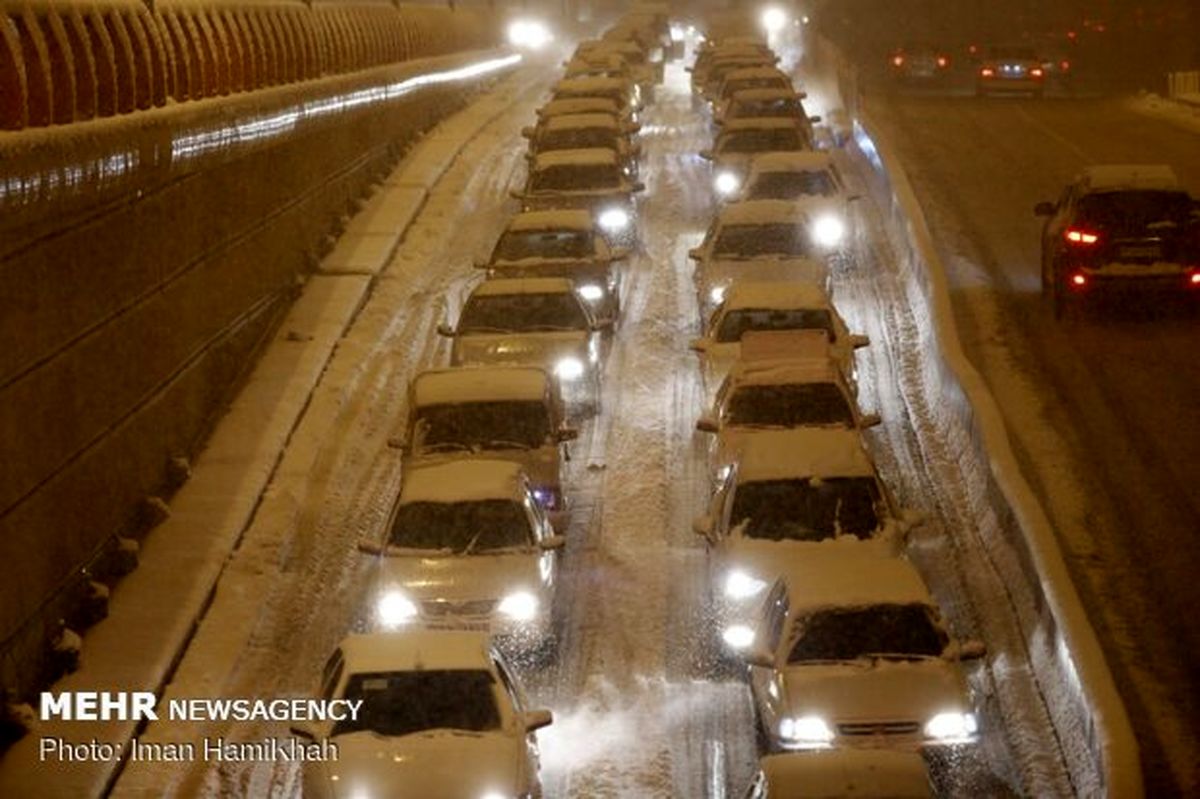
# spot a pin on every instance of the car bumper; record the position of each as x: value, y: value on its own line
x: 1001, y: 85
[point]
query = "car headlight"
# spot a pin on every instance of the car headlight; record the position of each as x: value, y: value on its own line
x: 613, y: 219
x: 591, y: 292
x: 951, y: 726
x: 809, y: 731
x: 394, y: 609
x: 739, y: 585
x: 726, y: 183
x: 828, y: 231
x: 528, y: 33
x: 738, y: 636
x: 496, y: 795
x: 521, y: 606
x: 569, y: 369
x: 717, y: 294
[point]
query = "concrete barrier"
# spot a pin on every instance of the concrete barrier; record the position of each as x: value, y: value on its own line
x: 142, y: 260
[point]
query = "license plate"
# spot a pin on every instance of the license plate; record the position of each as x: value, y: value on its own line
x: 1139, y: 252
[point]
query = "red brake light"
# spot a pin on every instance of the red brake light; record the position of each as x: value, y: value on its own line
x: 1079, y: 280
x: 987, y: 72
x: 1064, y: 65
x: 942, y: 61
x: 1036, y: 72
x: 1077, y: 236
x: 1194, y: 279
x: 897, y: 60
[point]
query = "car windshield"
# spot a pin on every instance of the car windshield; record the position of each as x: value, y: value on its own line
x: 576, y: 177
x: 901, y: 631
x: 406, y: 702
x: 761, y: 140
x: 1132, y: 212
x: 483, y: 425
x: 522, y: 313
x: 462, y: 528
x: 749, y: 241
x: 765, y: 108
x: 578, y: 139
x: 516, y: 245
x: 788, y: 405
x: 806, y: 509
x: 738, y: 322
x: 792, y: 185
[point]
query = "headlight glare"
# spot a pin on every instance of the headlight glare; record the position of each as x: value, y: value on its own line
x: 951, y: 726
x: 738, y: 636
x: 726, y: 183
x: 806, y: 731
x: 828, y: 231
x: 614, y: 219
x: 739, y: 585
x: 569, y: 369
x: 716, y: 295
x: 591, y: 292
x: 394, y: 609
x: 521, y: 606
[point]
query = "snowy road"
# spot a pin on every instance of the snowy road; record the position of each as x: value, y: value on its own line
x: 1102, y: 412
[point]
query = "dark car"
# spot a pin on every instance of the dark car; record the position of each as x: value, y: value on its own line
x: 919, y: 62
x: 1120, y: 227
x: 1004, y: 70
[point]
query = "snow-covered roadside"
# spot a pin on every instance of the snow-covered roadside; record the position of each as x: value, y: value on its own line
x: 1184, y: 114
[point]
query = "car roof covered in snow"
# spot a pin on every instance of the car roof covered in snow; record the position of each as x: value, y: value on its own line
x: 848, y: 577
x: 462, y: 481
x: 802, y: 452
x: 577, y: 105
x: 591, y: 83
x: 847, y: 773
x: 758, y: 123
x: 479, y: 384
x: 1115, y: 177
x: 557, y: 219
x: 756, y: 72
x: 571, y: 121
x: 813, y: 366
x: 762, y: 212
x: 759, y: 93
x: 770, y: 294
x: 807, y: 161
x: 524, y: 285
x: 589, y: 156
x: 414, y: 650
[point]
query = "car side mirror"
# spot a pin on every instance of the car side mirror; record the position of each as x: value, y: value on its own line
x: 634, y: 127
x: 553, y: 542
x: 565, y: 434
x: 537, y: 719
x: 303, y: 731
x: 802, y: 95
x: 756, y: 656
x: 815, y: 118
x: 371, y: 547
x: 707, y: 424
x: 870, y: 420
x: 638, y: 186
x: 1044, y: 209
x: 858, y: 341
x: 695, y: 254
x: 444, y: 329
x: 707, y: 155
x: 703, y: 526
x: 971, y: 650
x: 698, y: 345
x: 911, y: 519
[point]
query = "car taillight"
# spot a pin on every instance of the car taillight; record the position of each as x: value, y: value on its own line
x: 1036, y: 72
x: 1078, y: 280
x: 898, y: 60
x: 987, y: 72
x: 1081, y: 237
x: 942, y: 61
x: 1194, y: 280
x: 1064, y: 65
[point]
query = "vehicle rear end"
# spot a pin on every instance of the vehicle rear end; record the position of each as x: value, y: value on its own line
x: 1006, y: 70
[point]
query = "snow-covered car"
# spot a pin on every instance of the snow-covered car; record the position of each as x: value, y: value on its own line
x: 758, y: 306
x: 635, y: 58
x: 759, y: 240
x: 785, y: 103
x: 589, y: 105
x: 1007, y: 69
x: 624, y: 92
x: 592, y: 65
x: 794, y: 383
x: 1120, y: 227
x: 809, y: 177
x: 561, y: 244
x: 467, y: 546
x: 706, y: 82
x: 851, y: 651
x: 509, y: 413
x: 532, y: 322
x: 582, y: 132
x: 431, y: 701
x: 841, y: 774
x: 740, y: 140
x: 750, y: 78
x: 595, y: 179
x: 803, y: 492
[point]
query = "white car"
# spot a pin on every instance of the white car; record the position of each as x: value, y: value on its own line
x: 810, y: 177
x: 589, y: 105
x: 468, y: 547
x: 851, y: 651
x: 583, y: 132
x: 796, y: 492
x: 596, y: 179
x: 755, y: 77
x: 759, y: 306
x: 841, y: 774
x: 767, y: 240
x: 561, y: 243
x: 511, y: 413
x: 740, y: 140
x: 532, y: 322
x: 624, y: 92
x: 432, y: 701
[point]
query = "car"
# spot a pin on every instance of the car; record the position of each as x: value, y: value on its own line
x: 841, y: 774
x: 509, y: 413
x: 849, y: 650
x: 467, y: 546
x: 707, y: 82
x: 756, y: 306
x: 581, y: 132
x: 919, y: 63
x: 792, y: 383
x: 1007, y: 69
x: 431, y: 701
x: 564, y: 243
x: 634, y: 56
x: 595, y: 179
x: 597, y: 65
x: 767, y: 240
x: 764, y: 103
x: 623, y: 92
x: 532, y: 322
x: 590, y: 105
x: 742, y: 139
x: 1120, y: 227
x: 756, y: 77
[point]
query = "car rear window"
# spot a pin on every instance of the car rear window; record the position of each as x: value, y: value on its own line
x: 1133, y: 211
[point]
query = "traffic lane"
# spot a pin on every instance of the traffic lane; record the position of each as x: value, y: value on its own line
x: 1118, y: 391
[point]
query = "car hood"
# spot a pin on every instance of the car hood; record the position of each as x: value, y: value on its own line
x: 876, y: 691
x: 809, y: 270
x: 428, y: 765
x: 542, y: 465
x: 461, y: 577
x: 537, y: 349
